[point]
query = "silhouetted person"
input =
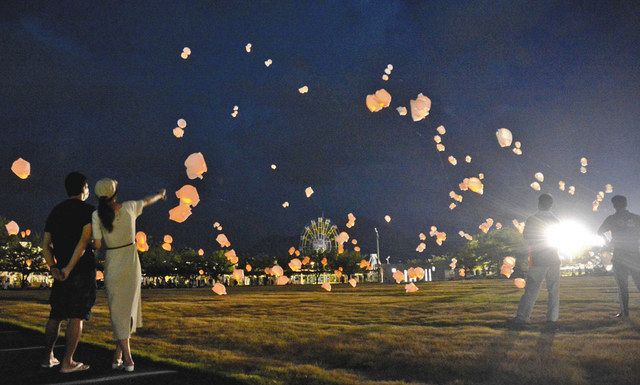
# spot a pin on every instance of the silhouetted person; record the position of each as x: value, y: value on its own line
x: 625, y: 238
x: 544, y: 263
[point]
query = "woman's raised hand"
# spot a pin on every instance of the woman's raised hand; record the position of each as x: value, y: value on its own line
x: 163, y: 194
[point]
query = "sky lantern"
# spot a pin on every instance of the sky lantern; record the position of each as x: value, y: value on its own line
x: 437, y: 139
x: 411, y: 273
x: 188, y: 195
x: 440, y: 147
x: 12, y: 228
x: 324, y: 261
x: 326, y: 286
x: 539, y: 177
x: 200, y: 252
x: 353, y: 282
x: 421, y: 247
x: 201, y: 272
x: 354, y: 241
x: 195, y: 165
x: 267, y: 271
x: 454, y: 262
x: 238, y: 275
x: 223, y: 241
x: 268, y: 62
x: 351, y: 220
x: 277, y: 271
x: 398, y: 276
x: 419, y: 272
x: 379, y: 100
x: 282, y: 280
x: 23, y: 234
x: 387, y: 218
x: 27, y: 232
x: 518, y: 225
x: 420, y: 107
x: 141, y: 242
x: 182, y: 123
x: 467, y: 158
x: 441, y: 130
x: 248, y: 268
x: 285, y: 204
x: 356, y: 249
x: 498, y: 226
x: 561, y: 185
x: 167, y: 239
x: 410, y: 288
x: 583, y: 170
x: 248, y: 47
x: 608, y: 188
x: 306, y: 260
x: 28, y: 262
x: 342, y: 237
x: 520, y: 283
x: 363, y: 264
x: 338, y: 273
x: 99, y: 275
x: 231, y: 256
x: 456, y: 197
x: 452, y: 206
x: 475, y: 185
x: 186, y: 52
x: 422, y: 236
x: 219, y: 289
x: 441, y: 236
x: 535, y: 186
x: 584, y: 162
x: 595, y: 205
x: 166, y: 246
x: 505, y: 137
x: 572, y: 190
x: 402, y: 111
x: 235, y: 111
x: 462, y: 272
x: 506, y: 270
x: 292, y: 250
x: 308, y: 192
x: 303, y: 89
x: 452, y: 160
x: 21, y: 168
x: 180, y: 213
x: 295, y: 264
x: 178, y: 132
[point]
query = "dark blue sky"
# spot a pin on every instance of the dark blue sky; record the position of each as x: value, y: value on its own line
x: 98, y: 87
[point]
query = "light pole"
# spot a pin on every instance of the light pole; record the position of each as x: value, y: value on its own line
x: 378, y: 250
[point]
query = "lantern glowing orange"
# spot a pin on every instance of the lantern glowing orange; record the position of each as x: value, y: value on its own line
x: 195, y: 165
x: 387, y: 218
x: 180, y: 213
x: 238, y: 275
x: 201, y: 272
x: 398, y: 276
x: 410, y: 288
x: 231, y: 256
x: 520, y: 283
x: 167, y: 239
x: 308, y: 192
x: 420, y: 107
x: 419, y: 272
x: 441, y: 130
x: 12, y: 228
x: 282, y: 280
x: 338, y: 273
x: 223, y: 241
x: 248, y: 268
x: 277, y: 271
x: 21, y: 168
x: 27, y: 232
x: 379, y: 100
x: 306, y: 260
x: 505, y: 137
x: 28, y: 262
x: 326, y: 286
x: 324, y: 261
x: 462, y: 272
x: 475, y: 185
x: 353, y: 282
x: 421, y: 247
x: 99, y: 275
x: 166, y: 246
x: 295, y: 264
x: 200, y: 252
x: 219, y: 289
x: 188, y: 195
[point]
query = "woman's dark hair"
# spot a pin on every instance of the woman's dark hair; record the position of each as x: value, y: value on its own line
x: 106, y: 212
x: 74, y: 183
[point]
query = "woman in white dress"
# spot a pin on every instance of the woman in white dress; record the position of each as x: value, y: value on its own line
x: 114, y: 228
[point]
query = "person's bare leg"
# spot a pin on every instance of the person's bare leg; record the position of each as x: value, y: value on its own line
x: 51, y: 332
x: 72, y: 334
x: 117, y: 355
x: 126, y: 352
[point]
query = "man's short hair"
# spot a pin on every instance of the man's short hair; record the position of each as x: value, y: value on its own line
x: 545, y: 201
x: 619, y: 202
x: 74, y: 183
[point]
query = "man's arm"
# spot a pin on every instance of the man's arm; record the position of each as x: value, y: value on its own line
x: 79, y: 250
x: 606, y: 226
x: 47, y: 252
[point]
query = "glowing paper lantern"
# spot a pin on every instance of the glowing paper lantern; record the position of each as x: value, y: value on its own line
x: 452, y: 160
x: 453, y: 263
x: 99, y: 275
x: 498, y: 226
x: 219, y: 289
x: 475, y: 185
x: 410, y: 288
x: 277, y: 271
x: 166, y: 246
x: 506, y: 271
x: 338, y: 273
x: 178, y: 132
x: 608, y: 188
x: 584, y: 162
x: 385, y: 77
x: 402, y: 111
x: 595, y: 205
x: 200, y: 252
x: 411, y: 273
x: 379, y: 100
x: 326, y: 286
x: 467, y: 159
x: 505, y: 137
x: 324, y: 261
x: 248, y: 47
x: 268, y: 62
x: 21, y: 168
x: 387, y: 218
x: 353, y: 282
x: 201, y: 272
x: 295, y: 264
x: 182, y: 123
x: 303, y: 89
x: 195, y: 165
x: 351, y: 220
x: 292, y: 250
x: 141, y: 242
x: 509, y: 261
x: 561, y: 185
x: 306, y: 260
x: 421, y: 247
x: 282, y: 280
x: 422, y: 236
x: 23, y: 234
x: 184, y: 55
x: 452, y: 206
x: 456, y: 197
x: 12, y: 228
x: 398, y: 276
x: 354, y: 241
x: 167, y: 239
x: 437, y: 139
x: 441, y: 236
x: 308, y: 192
x: 248, y: 268
x: 238, y: 275
x: 188, y: 195
x: 462, y: 272
x: 285, y: 204
x: 223, y: 241
x: 572, y: 190
x: 364, y: 264
x: 539, y: 177
x: 342, y: 237
x: 535, y: 186
x: 440, y: 147
x: 180, y: 213
x: 420, y: 107
x: 518, y: 225
x: 27, y: 232
x: 419, y: 272
x: 441, y: 130
x: 231, y: 256
x: 520, y: 283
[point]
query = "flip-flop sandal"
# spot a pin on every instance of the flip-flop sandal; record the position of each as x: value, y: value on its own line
x: 50, y: 364
x: 80, y: 367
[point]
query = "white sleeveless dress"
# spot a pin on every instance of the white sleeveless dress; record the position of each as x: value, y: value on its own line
x: 122, y: 272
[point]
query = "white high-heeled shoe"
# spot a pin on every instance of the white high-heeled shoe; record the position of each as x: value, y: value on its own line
x: 128, y: 369
x: 116, y: 365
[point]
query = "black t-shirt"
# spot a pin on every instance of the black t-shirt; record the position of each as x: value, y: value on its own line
x: 65, y: 225
x: 625, y: 232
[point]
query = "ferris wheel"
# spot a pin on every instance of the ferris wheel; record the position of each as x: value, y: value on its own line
x: 319, y: 237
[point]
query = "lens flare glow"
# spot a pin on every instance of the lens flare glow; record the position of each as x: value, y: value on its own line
x: 571, y: 238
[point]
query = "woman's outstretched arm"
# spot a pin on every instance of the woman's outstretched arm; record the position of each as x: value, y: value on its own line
x: 161, y: 195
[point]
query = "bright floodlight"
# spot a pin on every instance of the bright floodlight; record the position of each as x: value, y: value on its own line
x: 571, y: 238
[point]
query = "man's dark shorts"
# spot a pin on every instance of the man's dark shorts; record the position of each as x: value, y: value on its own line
x: 74, y: 297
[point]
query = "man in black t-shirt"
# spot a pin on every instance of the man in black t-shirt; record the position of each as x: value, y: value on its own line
x: 625, y: 238
x: 67, y: 250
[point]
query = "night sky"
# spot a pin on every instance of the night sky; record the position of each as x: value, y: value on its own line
x: 98, y: 87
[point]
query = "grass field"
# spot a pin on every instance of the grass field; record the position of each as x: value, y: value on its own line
x: 446, y: 333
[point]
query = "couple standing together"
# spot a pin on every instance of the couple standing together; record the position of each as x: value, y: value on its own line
x: 68, y: 250
x: 544, y: 263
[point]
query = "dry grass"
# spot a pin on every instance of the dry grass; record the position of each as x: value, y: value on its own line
x: 447, y: 333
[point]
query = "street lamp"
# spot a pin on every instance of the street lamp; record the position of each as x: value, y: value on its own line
x: 378, y: 250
